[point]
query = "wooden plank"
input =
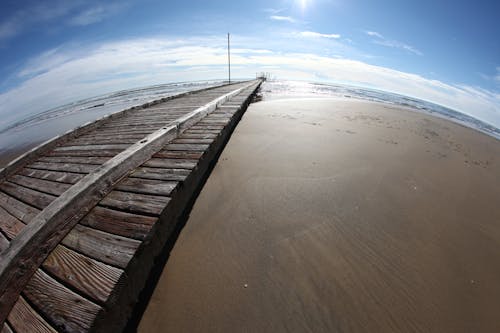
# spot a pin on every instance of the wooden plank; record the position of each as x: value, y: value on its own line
x: 6, y: 328
x: 119, y: 223
x: 10, y: 225
x: 195, y: 141
x: 65, y: 167
x: 147, y: 186
x: 110, y: 153
x: 24, y: 318
x: 135, y: 202
x: 108, y: 248
x: 158, y: 173
x: 187, y: 147
x: 217, y: 128
x: 190, y: 155
x: 88, y: 276
x: 56, y: 176
x: 171, y: 163
x: 93, y: 147
x: 74, y: 160
x: 68, y: 311
x: 106, y: 141
x: 40, y: 185
x: 37, y: 199
x: 4, y: 242
x: 17, y: 208
x: 198, y: 136
x: 201, y: 131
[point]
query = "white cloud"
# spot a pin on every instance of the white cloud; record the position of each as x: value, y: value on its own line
x: 61, y: 76
x: 497, y: 77
x: 19, y: 21
x: 374, y: 34
x: 313, y: 34
x: 283, y: 18
x: 95, y: 14
x: 381, y: 40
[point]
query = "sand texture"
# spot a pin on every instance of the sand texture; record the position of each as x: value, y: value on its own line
x: 326, y: 215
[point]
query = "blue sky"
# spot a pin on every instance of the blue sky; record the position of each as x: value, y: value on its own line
x: 55, y: 52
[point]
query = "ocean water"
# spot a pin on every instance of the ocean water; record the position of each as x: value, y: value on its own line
x: 294, y: 89
x: 23, y: 135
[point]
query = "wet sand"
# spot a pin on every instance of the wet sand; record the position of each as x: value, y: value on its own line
x: 339, y: 216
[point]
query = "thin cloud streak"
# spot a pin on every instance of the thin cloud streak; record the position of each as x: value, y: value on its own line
x: 381, y: 40
x: 59, y: 76
x: 313, y: 34
x: 283, y: 18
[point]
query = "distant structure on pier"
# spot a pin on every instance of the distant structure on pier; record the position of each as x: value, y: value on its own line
x: 264, y: 76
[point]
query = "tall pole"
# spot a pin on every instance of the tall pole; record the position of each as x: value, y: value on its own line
x: 228, y: 58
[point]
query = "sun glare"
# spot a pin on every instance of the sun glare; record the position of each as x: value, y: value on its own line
x: 303, y: 3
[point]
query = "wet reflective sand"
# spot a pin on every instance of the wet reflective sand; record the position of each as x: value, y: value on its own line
x: 330, y: 215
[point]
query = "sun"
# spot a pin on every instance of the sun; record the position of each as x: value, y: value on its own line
x: 303, y: 3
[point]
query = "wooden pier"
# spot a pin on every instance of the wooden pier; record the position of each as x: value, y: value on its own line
x: 83, y: 216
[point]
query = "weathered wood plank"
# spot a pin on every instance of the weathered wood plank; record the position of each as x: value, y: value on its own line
x: 24, y: 318
x: 37, y: 199
x: 217, y: 128
x: 190, y: 155
x: 161, y: 174
x: 6, y: 328
x: 17, y: 208
x: 65, y: 167
x: 135, y: 203
x: 201, y: 131
x: 4, y: 242
x: 108, y: 248
x: 74, y: 159
x: 147, y: 186
x: 93, y: 147
x: 10, y: 225
x: 171, y: 163
x: 90, y: 277
x: 68, y: 311
x: 119, y: 223
x: 40, y: 185
x: 198, y: 136
x: 193, y: 141
x: 187, y: 147
x: 105, y: 153
x: 56, y: 176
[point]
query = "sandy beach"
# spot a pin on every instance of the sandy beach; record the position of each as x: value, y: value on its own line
x: 328, y: 215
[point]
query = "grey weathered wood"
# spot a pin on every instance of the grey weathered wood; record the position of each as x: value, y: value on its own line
x: 17, y: 208
x: 74, y: 159
x: 119, y: 223
x: 56, y: 176
x: 93, y: 147
x: 135, y: 202
x: 199, y: 136
x: 66, y: 309
x: 90, y: 277
x: 187, y: 147
x: 4, y: 242
x: 40, y: 185
x: 185, y: 155
x: 108, y: 248
x: 10, y: 225
x: 24, y: 318
x: 7, y: 329
x: 147, y: 186
x: 171, y: 163
x: 64, y: 167
x: 36, y: 199
x: 193, y: 140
